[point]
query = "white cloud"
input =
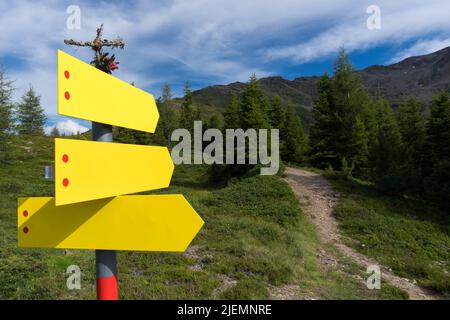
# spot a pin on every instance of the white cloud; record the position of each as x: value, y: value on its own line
x: 400, y: 21
x: 67, y: 127
x: 210, y: 41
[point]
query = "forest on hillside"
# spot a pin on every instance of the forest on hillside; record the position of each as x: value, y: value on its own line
x: 403, y: 152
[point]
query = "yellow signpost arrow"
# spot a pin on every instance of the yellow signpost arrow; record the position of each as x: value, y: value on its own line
x: 89, y: 170
x: 88, y: 93
x: 89, y: 210
x: 141, y: 223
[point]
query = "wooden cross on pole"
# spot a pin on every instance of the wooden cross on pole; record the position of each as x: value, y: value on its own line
x: 101, y: 60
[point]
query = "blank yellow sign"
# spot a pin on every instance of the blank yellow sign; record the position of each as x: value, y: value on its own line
x: 89, y: 170
x: 141, y: 223
x: 88, y: 93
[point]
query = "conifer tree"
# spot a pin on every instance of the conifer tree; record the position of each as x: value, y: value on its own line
x: 254, y: 107
x: 412, y: 125
x: 384, y: 156
x: 30, y: 114
x: 216, y: 121
x: 55, y: 132
x: 168, y: 120
x: 166, y: 94
x: 437, y: 169
x: 353, y: 113
x: 232, y: 115
x: 358, y: 143
x: 343, y: 117
x: 412, y: 131
x: 187, y: 114
x: 294, y: 139
x: 324, y: 152
x: 248, y: 112
x: 6, y: 115
x: 276, y: 113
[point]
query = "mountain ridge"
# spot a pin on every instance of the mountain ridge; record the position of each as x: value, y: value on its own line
x: 421, y: 76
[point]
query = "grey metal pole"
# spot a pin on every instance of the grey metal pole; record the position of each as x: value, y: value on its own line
x: 105, y: 260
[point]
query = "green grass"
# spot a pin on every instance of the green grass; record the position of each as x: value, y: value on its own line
x: 255, y: 235
x: 409, y: 236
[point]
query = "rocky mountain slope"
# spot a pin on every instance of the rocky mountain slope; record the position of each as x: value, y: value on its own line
x: 421, y: 76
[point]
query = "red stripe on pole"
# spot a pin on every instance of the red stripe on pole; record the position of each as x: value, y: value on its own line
x: 107, y: 288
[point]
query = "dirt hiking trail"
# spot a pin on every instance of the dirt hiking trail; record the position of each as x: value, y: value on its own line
x: 318, y: 200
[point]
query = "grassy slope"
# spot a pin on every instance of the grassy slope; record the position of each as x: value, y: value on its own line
x: 406, y: 235
x: 254, y: 237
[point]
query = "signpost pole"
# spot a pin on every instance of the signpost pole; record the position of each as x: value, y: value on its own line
x: 105, y: 260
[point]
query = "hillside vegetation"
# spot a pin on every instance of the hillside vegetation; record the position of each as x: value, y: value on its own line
x: 409, y: 236
x: 255, y: 243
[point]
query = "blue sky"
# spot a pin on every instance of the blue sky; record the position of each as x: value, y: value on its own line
x: 213, y: 42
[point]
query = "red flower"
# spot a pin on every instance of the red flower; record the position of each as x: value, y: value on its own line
x: 113, y: 66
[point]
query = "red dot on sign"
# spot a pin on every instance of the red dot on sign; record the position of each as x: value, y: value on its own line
x: 25, y: 213
x: 25, y: 230
x: 65, y: 182
x: 67, y: 95
x: 65, y: 158
x: 67, y: 74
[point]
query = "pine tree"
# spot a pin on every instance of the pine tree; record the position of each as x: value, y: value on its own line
x: 168, y: 120
x: 166, y: 94
x: 384, y: 155
x: 6, y: 116
x: 358, y: 143
x: 437, y: 164
x: 187, y: 114
x: 216, y: 121
x: 55, y: 132
x: 343, y: 119
x: 249, y: 112
x: 412, y: 130
x: 412, y: 125
x: 30, y: 114
x: 324, y: 152
x: 294, y: 139
x: 254, y: 107
x: 276, y: 113
x: 232, y: 115
x: 353, y: 113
